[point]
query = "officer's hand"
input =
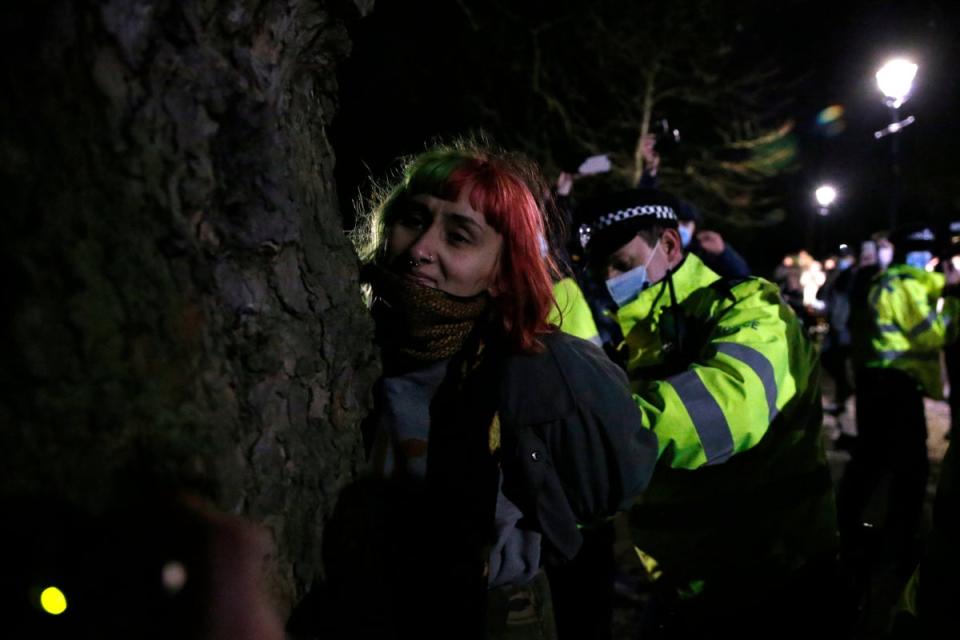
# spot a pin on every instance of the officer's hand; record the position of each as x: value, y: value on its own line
x: 711, y: 242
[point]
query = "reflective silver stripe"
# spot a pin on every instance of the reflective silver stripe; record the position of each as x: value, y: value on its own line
x: 908, y: 355
x: 708, y: 419
x: 760, y: 365
x: 925, y: 324
x: 888, y: 328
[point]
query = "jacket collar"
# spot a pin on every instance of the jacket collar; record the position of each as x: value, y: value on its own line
x: 932, y: 281
x: 690, y: 275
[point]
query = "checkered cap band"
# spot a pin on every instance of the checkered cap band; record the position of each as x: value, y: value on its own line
x: 661, y: 212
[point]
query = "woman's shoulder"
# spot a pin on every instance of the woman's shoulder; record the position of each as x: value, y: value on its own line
x: 560, y: 350
x: 567, y: 373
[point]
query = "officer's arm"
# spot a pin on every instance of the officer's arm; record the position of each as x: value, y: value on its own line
x: 725, y: 401
x: 928, y: 325
x: 571, y: 313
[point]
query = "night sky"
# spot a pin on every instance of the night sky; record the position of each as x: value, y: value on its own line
x: 425, y: 69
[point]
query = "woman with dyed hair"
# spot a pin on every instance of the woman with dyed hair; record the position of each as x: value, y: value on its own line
x: 497, y: 438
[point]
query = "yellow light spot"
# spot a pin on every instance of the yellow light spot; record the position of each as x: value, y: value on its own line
x: 830, y: 114
x: 53, y: 601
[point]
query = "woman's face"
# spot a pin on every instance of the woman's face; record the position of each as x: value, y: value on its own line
x: 444, y: 244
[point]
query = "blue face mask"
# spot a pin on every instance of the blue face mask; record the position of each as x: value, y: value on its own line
x: 686, y: 235
x: 918, y: 259
x: 627, y: 286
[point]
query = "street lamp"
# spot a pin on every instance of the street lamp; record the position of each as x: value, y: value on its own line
x: 825, y: 195
x: 895, y: 80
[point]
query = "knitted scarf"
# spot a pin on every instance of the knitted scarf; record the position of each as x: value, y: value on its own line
x: 420, y: 324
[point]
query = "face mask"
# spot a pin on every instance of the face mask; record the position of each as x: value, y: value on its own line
x: 884, y: 256
x: 686, y: 235
x: 627, y: 286
x: 918, y: 259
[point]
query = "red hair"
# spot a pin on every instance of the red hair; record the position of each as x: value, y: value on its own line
x: 500, y: 189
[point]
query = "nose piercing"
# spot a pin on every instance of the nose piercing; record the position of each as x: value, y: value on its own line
x: 421, y: 259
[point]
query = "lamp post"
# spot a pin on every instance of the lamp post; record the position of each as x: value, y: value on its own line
x: 895, y: 81
x: 825, y: 195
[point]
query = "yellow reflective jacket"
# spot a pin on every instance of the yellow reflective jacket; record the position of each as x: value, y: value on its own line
x: 729, y: 383
x: 745, y: 359
x: 572, y: 313
x: 911, y: 324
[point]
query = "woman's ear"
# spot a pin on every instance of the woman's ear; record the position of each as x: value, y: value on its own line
x: 496, y: 282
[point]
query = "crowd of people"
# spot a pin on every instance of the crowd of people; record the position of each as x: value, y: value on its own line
x: 546, y: 394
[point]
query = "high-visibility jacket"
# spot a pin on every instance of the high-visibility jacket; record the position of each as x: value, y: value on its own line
x: 572, y: 313
x: 729, y: 383
x: 911, y: 324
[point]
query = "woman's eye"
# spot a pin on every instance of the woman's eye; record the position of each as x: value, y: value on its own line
x: 458, y: 238
x: 412, y: 219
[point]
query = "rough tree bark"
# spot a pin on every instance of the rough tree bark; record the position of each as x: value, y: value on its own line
x: 179, y: 298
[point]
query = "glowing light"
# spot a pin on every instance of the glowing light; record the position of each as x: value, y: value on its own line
x: 825, y: 195
x: 831, y: 114
x: 53, y: 601
x: 174, y: 576
x: 895, y: 80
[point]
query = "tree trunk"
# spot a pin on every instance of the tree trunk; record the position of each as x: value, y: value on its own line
x: 180, y: 302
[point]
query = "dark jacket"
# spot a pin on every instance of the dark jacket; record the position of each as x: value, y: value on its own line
x: 574, y: 450
x: 561, y: 430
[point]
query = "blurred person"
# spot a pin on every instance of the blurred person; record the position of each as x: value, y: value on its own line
x: 501, y: 443
x: 709, y: 246
x: 875, y: 255
x: 739, y: 516
x: 909, y: 325
x: 928, y: 606
x: 572, y: 312
x: 835, y: 351
x: 811, y: 280
x: 950, y: 252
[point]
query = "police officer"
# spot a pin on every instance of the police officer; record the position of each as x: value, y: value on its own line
x: 739, y: 515
x: 910, y: 325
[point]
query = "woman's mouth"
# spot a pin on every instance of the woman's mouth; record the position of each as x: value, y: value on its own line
x: 422, y: 280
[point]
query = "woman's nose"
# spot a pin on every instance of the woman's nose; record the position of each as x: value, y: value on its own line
x: 424, y: 248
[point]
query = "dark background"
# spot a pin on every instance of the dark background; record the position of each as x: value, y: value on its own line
x: 421, y: 70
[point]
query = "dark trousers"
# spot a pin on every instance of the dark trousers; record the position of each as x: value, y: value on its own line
x: 583, y: 589
x: 834, y: 362
x: 892, y: 438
